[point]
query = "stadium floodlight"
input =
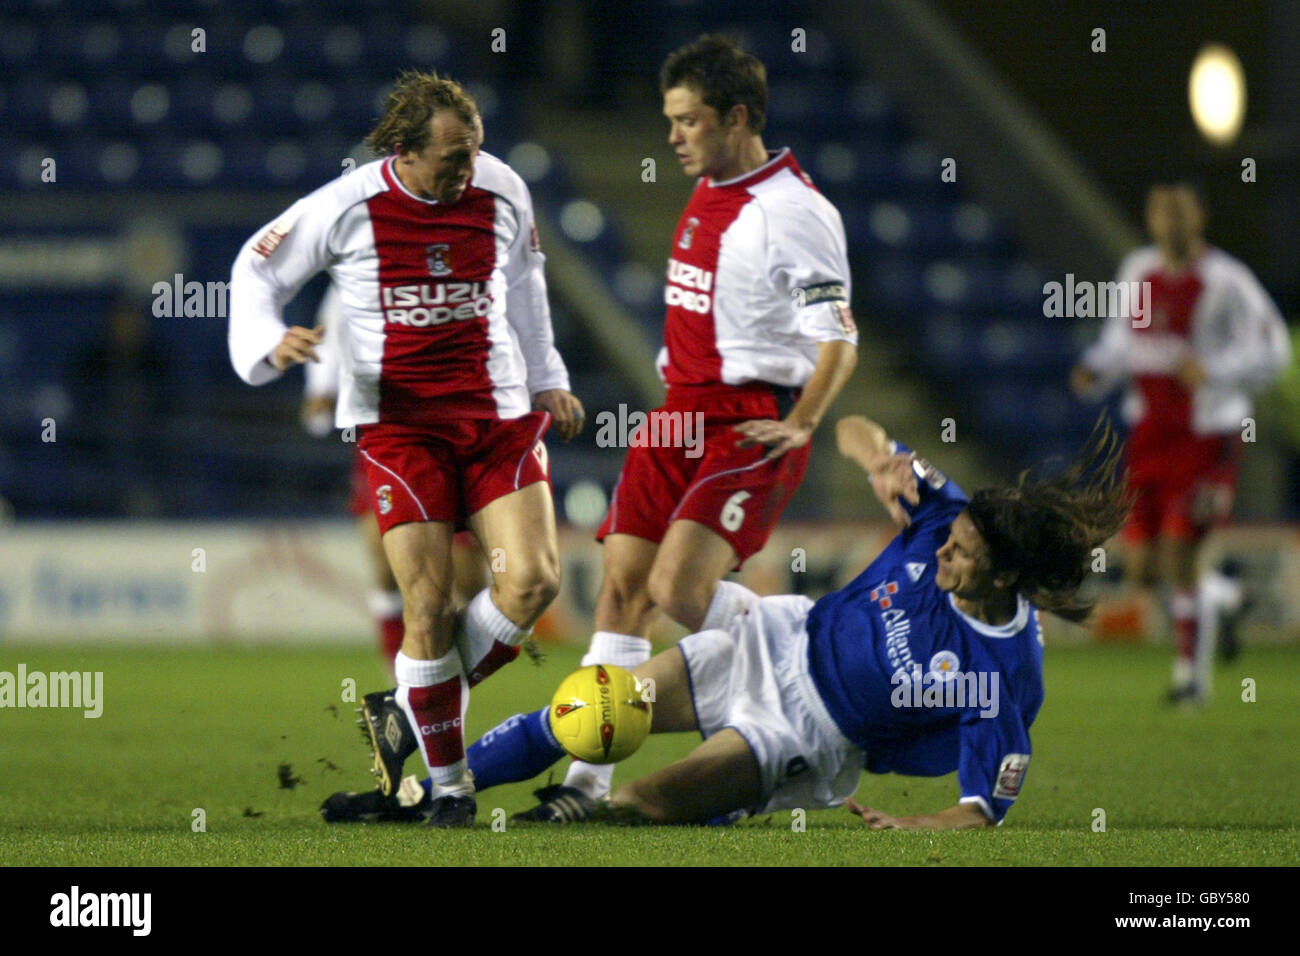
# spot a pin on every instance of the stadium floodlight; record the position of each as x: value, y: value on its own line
x: 1216, y: 91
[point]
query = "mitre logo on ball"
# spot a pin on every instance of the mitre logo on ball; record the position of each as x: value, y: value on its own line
x: 563, y: 709
x: 598, y: 714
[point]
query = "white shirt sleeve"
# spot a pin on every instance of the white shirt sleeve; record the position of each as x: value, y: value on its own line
x: 527, y: 308
x: 1108, y: 357
x: 807, y: 260
x: 322, y: 378
x: 270, y: 269
x: 1244, y: 343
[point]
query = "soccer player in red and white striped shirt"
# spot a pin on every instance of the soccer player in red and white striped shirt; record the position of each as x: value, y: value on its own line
x: 758, y: 339
x: 383, y: 597
x: 450, y: 373
x: 1210, y: 338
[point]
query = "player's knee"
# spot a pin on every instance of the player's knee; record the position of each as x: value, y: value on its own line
x: 683, y: 598
x: 524, y: 595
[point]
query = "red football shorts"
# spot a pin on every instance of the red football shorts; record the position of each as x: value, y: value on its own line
x: 1183, y: 484
x: 734, y: 492
x: 359, y: 500
x: 450, y: 470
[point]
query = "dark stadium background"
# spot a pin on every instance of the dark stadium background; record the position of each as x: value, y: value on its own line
x: 165, y: 159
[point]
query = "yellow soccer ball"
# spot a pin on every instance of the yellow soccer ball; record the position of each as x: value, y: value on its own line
x: 599, y: 714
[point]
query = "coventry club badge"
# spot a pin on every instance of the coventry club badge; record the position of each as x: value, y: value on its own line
x: 688, y: 233
x: 437, y: 259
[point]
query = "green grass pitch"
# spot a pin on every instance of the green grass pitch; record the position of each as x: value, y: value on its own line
x: 209, y: 729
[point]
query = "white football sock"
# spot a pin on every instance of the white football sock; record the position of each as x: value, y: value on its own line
x: 1215, y: 593
x: 621, y: 650
x: 485, y: 623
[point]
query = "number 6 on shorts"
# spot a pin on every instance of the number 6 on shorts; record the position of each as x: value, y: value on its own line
x: 733, y: 515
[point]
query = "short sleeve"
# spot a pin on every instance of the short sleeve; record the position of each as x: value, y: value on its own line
x: 807, y: 260
x: 941, y: 497
x: 994, y: 758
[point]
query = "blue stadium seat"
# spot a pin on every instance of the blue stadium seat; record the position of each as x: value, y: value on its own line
x: 272, y: 104
x: 20, y: 43
x: 118, y: 163
x: 192, y: 97
x: 325, y: 154
x: 245, y: 160
x: 26, y: 104
x: 894, y: 281
x: 385, y: 46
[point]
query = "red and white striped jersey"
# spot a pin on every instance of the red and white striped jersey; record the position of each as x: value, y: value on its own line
x: 1217, y: 311
x: 444, y: 306
x: 758, y: 276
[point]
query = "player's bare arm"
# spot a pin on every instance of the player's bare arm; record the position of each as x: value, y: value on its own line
x: 297, y: 347
x: 963, y: 816
x: 865, y: 443
x: 565, y: 409
x: 835, y: 363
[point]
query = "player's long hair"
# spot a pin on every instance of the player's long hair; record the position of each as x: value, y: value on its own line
x: 1045, y: 530
x: 410, y: 106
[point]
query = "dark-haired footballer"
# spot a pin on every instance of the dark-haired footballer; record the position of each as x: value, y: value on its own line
x: 758, y: 341
x: 930, y: 661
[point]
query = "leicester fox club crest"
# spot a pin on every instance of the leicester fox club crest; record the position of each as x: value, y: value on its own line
x: 688, y: 233
x: 944, y: 665
x: 436, y: 259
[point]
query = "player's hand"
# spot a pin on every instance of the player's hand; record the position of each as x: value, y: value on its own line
x: 297, y: 347
x: 1191, y: 373
x: 874, y: 819
x: 780, y: 436
x: 317, y: 415
x: 564, y: 408
x: 893, y: 478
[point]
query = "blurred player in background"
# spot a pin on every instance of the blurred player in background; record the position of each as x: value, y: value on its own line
x: 795, y: 699
x: 758, y: 338
x: 384, y: 599
x: 1211, y: 336
x: 449, y: 370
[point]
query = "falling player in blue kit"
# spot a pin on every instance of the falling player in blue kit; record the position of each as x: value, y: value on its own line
x: 929, y: 662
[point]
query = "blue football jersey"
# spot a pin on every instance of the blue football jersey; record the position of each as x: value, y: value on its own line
x: 922, y: 687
